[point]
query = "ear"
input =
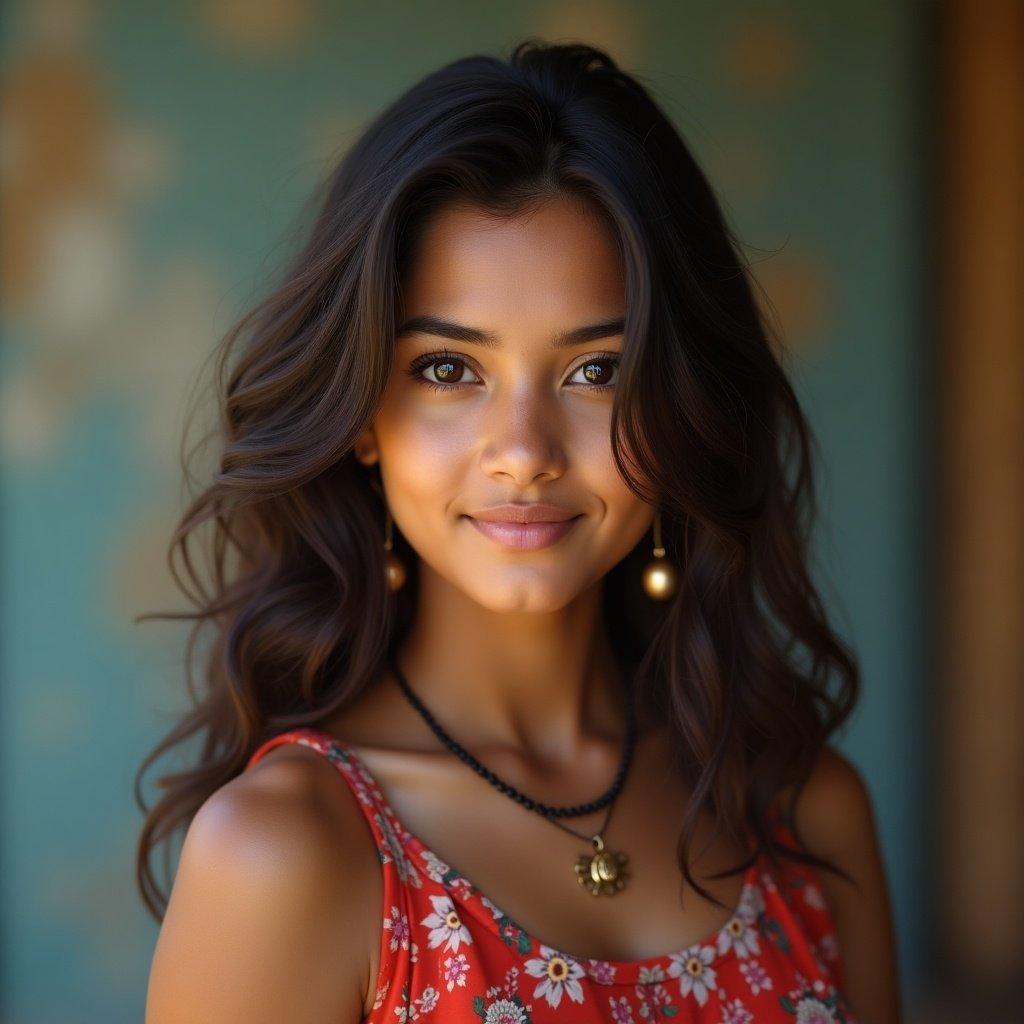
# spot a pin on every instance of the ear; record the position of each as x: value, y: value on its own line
x: 365, y: 447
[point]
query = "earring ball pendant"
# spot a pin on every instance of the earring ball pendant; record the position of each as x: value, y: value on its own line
x: 395, y: 569
x: 660, y: 577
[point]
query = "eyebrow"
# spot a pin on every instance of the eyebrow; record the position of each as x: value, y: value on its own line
x: 429, y: 324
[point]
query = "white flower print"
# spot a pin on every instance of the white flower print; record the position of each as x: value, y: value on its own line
x: 752, y: 902
x: 426, y: 1002
x: 559, y: 973
x: 462, y: 887
x: 496, y: 912
x: 505, y: 1011
x: 734, y: 1012
x: 738, y: 934
x: 365, y: 779
x: 648, y: 975
x: 428, y: 999
x: 511, y: 977
x: 601, y: 971
x: 755, y: 976
x: 405, y: 1014
x: 621, y: 1013
x: 694, y: 970
x: 813, y: 896
x: 811, y: 1011
x: 414, y: 953
x: 364, y: 794
x: 455, y: 970
x: 653, y: 998
x: 436, y: 868
x: 445, y: 925
x: 398, y: 925
x: 379, y: 995
x: 361, y: 781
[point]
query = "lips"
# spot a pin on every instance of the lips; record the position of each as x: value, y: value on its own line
x: 524, y: 536
x: 523, y: 512
x: 524, y: 526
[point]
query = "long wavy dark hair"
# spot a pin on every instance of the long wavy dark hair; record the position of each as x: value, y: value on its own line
x: 705, y: 425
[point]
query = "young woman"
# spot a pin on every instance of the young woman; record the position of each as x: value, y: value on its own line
x: 519, y: 693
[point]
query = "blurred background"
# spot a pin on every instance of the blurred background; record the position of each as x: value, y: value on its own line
x: 155, y: 160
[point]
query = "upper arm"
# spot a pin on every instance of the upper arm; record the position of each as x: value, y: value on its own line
x: 264, y: 918
x: 836, y: 820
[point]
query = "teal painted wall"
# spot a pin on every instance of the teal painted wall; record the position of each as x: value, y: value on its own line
x: 202, y: 137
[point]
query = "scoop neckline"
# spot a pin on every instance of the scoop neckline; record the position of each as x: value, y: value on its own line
x: 496, y: 920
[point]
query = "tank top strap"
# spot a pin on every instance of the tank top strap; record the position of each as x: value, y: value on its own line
x: 799, y: 885
x: 403, y: 885
x: 388, y: 832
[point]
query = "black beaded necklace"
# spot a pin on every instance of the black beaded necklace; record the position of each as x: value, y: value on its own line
x: 602, y: 873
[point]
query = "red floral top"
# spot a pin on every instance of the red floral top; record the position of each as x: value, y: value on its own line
x: 449, y: 954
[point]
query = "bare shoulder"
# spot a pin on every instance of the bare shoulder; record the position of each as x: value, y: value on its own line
x: 835, y: 817
x: 834, y: 807
x: 274, y: 910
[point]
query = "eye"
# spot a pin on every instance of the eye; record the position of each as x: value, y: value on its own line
x: 597, y: 372
x: 448, y: 370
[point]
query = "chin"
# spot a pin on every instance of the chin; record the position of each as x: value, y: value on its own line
x: 534, y: 595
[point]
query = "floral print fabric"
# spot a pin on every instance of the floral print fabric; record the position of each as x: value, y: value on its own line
x: 448, y: 954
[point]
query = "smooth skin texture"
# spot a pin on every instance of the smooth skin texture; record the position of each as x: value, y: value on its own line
x: 276, y: 909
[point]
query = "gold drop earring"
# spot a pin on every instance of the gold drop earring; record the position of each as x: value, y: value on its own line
x: 660, y: 577
x: 393, y: 565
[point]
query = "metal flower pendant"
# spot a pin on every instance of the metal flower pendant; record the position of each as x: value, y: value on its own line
x: 603, y: 874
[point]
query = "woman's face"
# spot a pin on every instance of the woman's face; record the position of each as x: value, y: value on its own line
x: 491, y: 399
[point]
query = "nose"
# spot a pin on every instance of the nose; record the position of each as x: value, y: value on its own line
x: 523, y: 438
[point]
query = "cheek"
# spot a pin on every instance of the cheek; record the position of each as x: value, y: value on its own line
x: 624, y: 518
x: 592, y: 459
x: 422, y: 451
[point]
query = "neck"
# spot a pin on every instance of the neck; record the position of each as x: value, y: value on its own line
x: 543, y: 684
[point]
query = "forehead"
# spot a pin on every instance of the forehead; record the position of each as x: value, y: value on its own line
x: 559, y: 259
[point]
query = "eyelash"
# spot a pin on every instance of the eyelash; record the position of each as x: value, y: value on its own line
x: 422, y: 362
